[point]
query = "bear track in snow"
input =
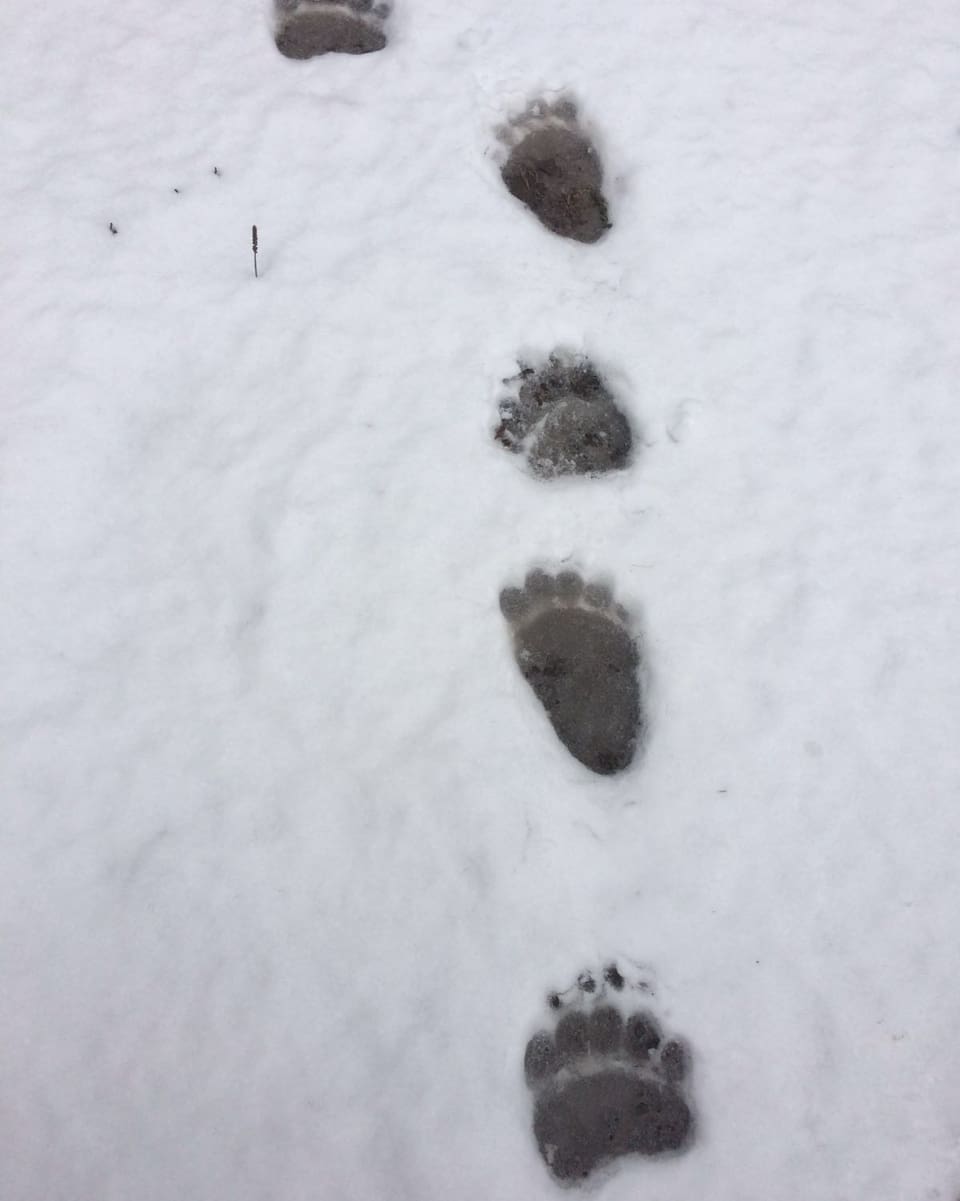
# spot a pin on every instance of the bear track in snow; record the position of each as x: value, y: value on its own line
x: 575, y: 649
x: 563, y: 418
x: 553, y: 167
x: 306, y: 28
x: 605, y: 1081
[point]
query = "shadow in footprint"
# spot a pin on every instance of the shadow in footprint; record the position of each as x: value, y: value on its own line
x: 575, y: 650
x: 307, y: 28
x: 605, y: 1082
x: 562, y: 416
x: 553, y: 167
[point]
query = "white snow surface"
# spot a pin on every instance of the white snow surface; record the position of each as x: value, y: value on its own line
x: 291, y: 854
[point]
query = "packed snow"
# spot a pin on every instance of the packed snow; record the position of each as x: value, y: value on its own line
x: 292, y: 855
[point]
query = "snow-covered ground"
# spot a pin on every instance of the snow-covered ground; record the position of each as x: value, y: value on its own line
x: 291, y: 854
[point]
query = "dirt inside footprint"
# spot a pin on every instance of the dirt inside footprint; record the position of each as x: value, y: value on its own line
x: 605, y: 1081
x: 554, y: 169
x: 575, y: 650
x: 563, y: 417
x: 307, y: 28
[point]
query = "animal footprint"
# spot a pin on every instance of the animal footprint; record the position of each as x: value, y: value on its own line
x: 605, y: 1081
x: 306, y: 28
x: 575, y: 650
x: 562, y: 416
x: 553, y: 167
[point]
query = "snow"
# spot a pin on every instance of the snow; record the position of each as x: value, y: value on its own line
x: 291, y: 854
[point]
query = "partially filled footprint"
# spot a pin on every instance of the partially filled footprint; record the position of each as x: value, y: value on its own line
x: 306, y: 28
x: 553, y: 167
x: 576, y: 651
x: 563, y: 418
x: 605, y: 1081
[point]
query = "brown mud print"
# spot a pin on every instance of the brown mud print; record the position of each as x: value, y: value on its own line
x: 563, y: 418
x: 553, y: 167
x: 605, y: 1081
x: 576, y: 650
x: 306, y: 28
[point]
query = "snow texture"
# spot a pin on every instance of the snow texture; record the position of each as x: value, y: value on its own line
x: 291, y: 853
